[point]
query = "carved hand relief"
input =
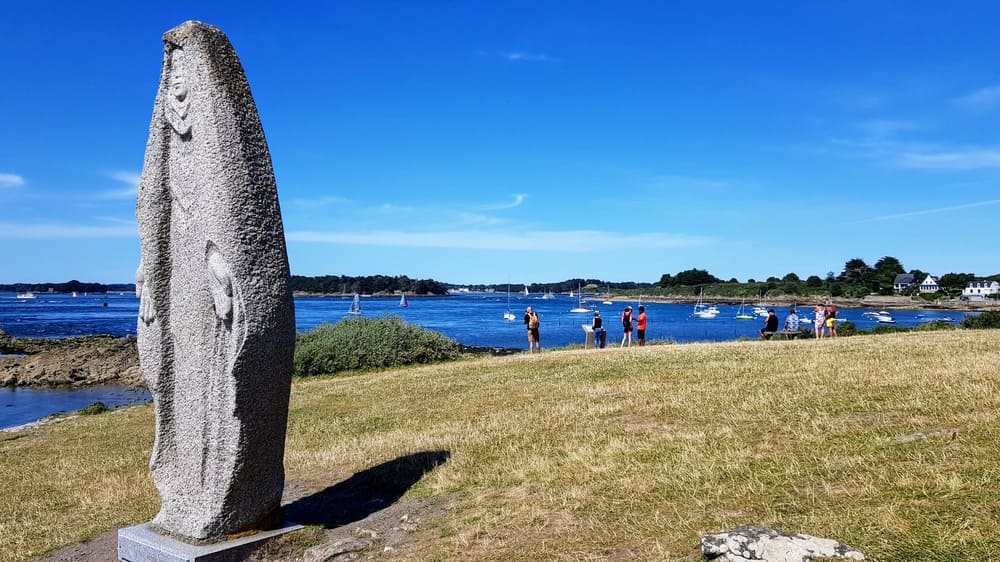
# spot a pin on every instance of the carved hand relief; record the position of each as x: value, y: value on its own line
x: 146, y: 313
x: 178, y: 97
x: 220, y: 282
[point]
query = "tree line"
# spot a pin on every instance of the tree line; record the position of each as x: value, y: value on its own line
x: 367, y: 285
x: 857, y: 279
x: 68, y: 287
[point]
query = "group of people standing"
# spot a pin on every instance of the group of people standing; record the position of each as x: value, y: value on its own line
x: 824, y: 316
x: 640, y: 326
x: 531, y: 323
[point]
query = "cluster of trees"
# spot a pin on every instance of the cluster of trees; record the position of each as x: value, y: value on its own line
x: 367, y: 285
x: 855, y: 280
x: 68, y: 287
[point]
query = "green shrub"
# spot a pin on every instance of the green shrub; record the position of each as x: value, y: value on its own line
x: 889, y: 329
x: 934, y: 326
x: 369, y: 343
x: 847, y: 328
x: 93, y: 409
x: 989, y: 319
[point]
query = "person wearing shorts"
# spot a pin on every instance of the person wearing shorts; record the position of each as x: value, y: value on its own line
x: 820, y: 319
x: 531, y: 322
x: 831, y: 320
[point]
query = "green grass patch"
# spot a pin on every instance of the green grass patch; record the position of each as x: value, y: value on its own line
x: 887, y: 443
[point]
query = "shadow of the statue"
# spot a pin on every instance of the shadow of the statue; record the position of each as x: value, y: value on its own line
x: 365, y: 492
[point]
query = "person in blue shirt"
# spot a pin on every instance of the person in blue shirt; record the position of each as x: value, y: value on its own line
x: 792, y: 321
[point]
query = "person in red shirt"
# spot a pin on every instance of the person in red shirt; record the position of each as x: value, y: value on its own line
x: 640, y: 325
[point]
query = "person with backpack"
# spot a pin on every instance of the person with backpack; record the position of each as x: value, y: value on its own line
x: 532, y: 323
x: 600, y: 335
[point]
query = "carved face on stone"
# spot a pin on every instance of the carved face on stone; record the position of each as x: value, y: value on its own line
x: 178, y: 100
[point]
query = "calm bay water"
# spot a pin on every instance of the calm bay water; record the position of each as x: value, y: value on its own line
x: 473, y: 319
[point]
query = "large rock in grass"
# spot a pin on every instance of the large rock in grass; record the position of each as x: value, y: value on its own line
x: 755, y: 543
x: 216, y: 324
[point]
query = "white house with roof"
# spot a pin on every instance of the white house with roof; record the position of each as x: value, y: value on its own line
x: 980, y: 290
x: 930, y: 285
x: 902, y: 281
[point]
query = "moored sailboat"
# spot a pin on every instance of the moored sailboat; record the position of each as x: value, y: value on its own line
x: 355, y: 305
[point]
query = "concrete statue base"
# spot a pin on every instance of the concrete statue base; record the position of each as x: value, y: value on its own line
x: 139, y: 543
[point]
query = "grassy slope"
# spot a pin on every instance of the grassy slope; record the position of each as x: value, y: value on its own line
x: 615, y: 454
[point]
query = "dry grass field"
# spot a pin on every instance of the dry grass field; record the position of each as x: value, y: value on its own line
x: 887, y: 443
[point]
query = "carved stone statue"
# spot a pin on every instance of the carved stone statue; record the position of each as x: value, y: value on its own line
x: 216, y: 327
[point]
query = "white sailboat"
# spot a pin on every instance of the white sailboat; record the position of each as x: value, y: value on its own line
x: 508, y: 316
x: 402, y: 301
x: 27, y: 295
x: 355, y: 305
x: 607, y: 297
x: 579, y: 304
x: 526, y: 293
x: 741, y: 313
x: 704, y: 311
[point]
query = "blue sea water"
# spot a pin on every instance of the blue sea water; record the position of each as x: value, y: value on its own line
x: 474, y: 319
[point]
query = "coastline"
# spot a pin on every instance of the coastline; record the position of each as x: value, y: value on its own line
x: 82, y: 361
x: 869, y: 301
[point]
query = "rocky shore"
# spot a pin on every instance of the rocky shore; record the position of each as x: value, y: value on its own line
x: 69, y: 362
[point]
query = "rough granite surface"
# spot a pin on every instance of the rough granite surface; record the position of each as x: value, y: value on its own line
x: 752, y: 543
x: 216, y: 329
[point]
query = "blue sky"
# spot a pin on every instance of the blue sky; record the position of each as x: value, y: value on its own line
x: 473, y: 142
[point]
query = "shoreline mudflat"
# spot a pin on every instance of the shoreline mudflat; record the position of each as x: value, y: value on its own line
x: 79, y: 361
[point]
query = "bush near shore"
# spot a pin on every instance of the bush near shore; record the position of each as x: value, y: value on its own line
x: 369, y: 343
x: 886, y: 443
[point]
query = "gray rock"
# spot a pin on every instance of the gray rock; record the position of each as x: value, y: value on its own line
x: 343, y: 549
x: 749, y: 543
x: 216, y: 329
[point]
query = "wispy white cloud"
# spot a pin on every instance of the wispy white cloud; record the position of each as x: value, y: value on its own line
x: 524, y: 56
x: 56, y: 231
x: 964, y: 159
x: 11, y: 180
x: 129, y: 179
x: 538, y: 240
x: 981, y: 100
x: 517, y: 202
x: 933, y: 211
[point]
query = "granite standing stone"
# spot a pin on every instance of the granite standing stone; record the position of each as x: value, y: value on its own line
x: 216, y: 329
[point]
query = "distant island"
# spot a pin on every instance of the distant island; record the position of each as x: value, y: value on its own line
x: 68, y: 287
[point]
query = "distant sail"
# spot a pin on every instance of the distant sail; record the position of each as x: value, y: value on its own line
x: 355, y: 305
